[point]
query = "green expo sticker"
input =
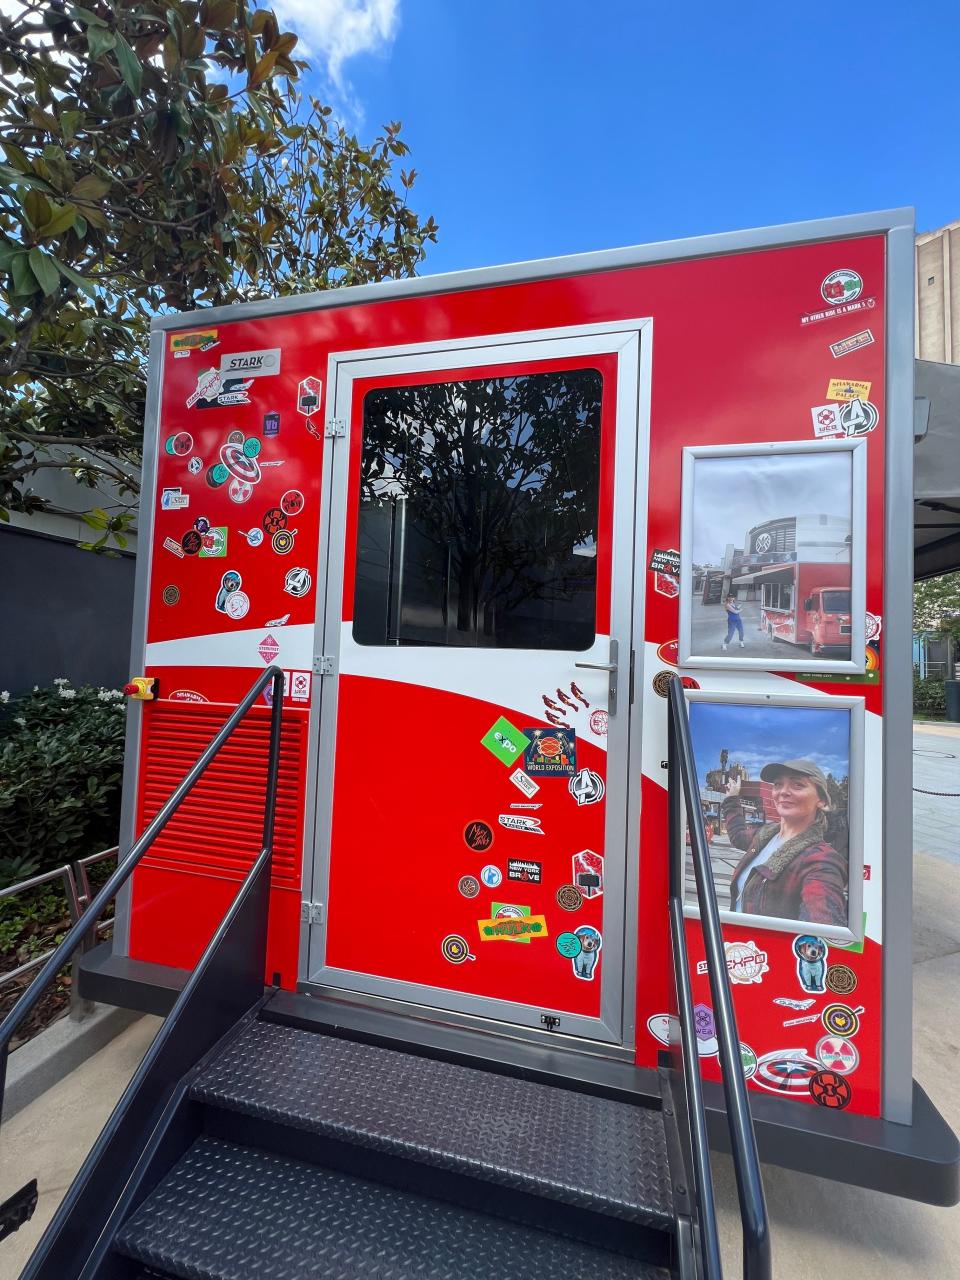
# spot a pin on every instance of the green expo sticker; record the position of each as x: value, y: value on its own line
x: 506, y: 742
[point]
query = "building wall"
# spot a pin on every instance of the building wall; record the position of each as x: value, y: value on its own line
x: 938, y: 295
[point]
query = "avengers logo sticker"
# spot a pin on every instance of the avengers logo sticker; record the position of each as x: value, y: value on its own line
x: 195, y: 466
x: 586, y: 787
x: 297, y: 582
x: 478, y: 836
x: 455, y: 949
x: 831, y: 1090
x: 786, y: 1071
x: 552, y: 753
x: 838, y: 1054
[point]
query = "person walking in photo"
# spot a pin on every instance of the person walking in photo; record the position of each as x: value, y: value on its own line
x: 734, y: 621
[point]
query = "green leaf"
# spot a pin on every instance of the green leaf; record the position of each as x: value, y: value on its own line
x: 70, y: 122
x: 74, y: 277
x: 62, y: 219
x: 44, y: 269
x: 23, y: 278
x: 37, y: 208
x: 100, y: 41
x: 8, y: 251
x: 129, y: 64
x: 90, y: 187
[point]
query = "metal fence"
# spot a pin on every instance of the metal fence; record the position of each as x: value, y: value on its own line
x: 75, y: 878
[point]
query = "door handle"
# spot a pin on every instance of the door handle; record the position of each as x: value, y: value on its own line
x: 611, y: 667
x: 597, y: 666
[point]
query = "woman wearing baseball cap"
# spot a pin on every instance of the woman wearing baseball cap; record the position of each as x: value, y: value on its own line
x: 790, y: 868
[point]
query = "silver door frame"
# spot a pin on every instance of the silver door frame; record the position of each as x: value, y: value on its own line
x: 614, y: 1027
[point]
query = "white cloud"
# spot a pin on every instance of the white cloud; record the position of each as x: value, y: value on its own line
x: 337, y: 30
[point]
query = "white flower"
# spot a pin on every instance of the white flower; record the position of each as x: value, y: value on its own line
x: 105, y: 696
x: 20, y: 721
x: 36, y: 688
x: 4, y: 695
x: 67, y: 693
x: 61, y: 680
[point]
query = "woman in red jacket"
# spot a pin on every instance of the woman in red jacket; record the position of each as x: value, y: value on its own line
x: 790, y: 869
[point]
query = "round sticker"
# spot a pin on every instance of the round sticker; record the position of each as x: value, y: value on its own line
x: 841, y: 286
x: 830, y: 1089
x: 454, y: 948
x: 180, y: 444
x: 748, y: 1060
x: 195, y: 466
x: 840, y: 1020
x: 239, y: 465
x: 273, y: 520
x: 191, y: 542
x: 669, y: 651
x: 235, y: 437
x: 491, y: 876
x: 297, y: 582
x: 838, y: 1054
x: 217, y: 475
x: 240, y: 490
x: 252, y: 447
x: 599, y: 720
x: 569, y: 945
x: 478, y: 836
x: 237, y: 605
x: 171, y: 595
x: 858, y: 417
x: 253, y: 536
x: 841, y: 979
x: 569, y: 897
x: 661, y: 683
x: 872, y: 625
x: 282, y: 542
x: 787, y: 1071
x: 202, y: 524
x: 292, y: 502
x: 469, y: 886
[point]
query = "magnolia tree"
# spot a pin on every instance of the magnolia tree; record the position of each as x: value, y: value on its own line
x: 936, y: 604
x: 157, y: 155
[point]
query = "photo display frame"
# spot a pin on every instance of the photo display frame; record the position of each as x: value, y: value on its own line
x: 781, y: 790
x: 773, y: 556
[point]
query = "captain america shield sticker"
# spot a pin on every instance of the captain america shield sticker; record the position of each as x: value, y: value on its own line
x: 786, y: 1071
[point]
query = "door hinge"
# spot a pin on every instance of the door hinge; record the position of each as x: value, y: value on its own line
x: 323, y: 665
x: 311, y: 912
x: 335, y: 429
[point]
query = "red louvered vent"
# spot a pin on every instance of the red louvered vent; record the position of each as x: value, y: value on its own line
x: 219, y: 827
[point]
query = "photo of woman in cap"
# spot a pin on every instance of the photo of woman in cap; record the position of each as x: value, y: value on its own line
x: 791, y: 868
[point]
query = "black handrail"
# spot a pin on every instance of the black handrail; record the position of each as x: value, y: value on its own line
x: 75, y: 934
x: 683, y: 788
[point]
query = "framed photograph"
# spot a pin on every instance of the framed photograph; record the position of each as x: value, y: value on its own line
x: 781, y: 790
x: 772, y: 556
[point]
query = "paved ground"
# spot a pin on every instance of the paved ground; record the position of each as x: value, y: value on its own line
x: 709, y: 627
x: 818, y: 1227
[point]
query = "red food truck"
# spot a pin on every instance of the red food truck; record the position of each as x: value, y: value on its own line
x: 410, y: 535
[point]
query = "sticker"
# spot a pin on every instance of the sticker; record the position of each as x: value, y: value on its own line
x: 841, y: 286
x: 191, y: 542
x: 282, y: 541
x: 665, y: 562
x: 569, y: 945
x: 213, y: 542
x: 469, y: 886
x: 300, y: 685
x: 748, y: 1060
x: 706, y: 1029
x: 746, y: 963
x: 507, y: 743
x: 455, y: 949
x: 239, y: 463
x: 830, y: 1089
x: 873, y: 624
x: 195, y: 466
x: 253, y: 536
x: 586, y: 787
x: 239, y: 491
x: 491, y: 876
x: 235, y: 437
x: 591, y: 944
x: 296, y: 582
x: 171, y: 594
x: 798, y: 1022
x: 478, y: 836
x: 174, y: 500
x: 273, y: 520
x: 217, y: 475
x: 251, y: 364
x: 840, y: 1020
x: 201, y: 524
x: 278, y: 622
x: 841, y: 980
x: 858, y: 417
x: 186, y: 695
x: 208, y: 385
x: 786, y: 1071
x: 866, y: 870
x: 793, y: 1004
x: 524, y: 870
x: 171, y: 544
x: 514, y: 822
x: 838, y: 1054
x: 588, y: 873
x: 826, y: 420
x: 669, y: 651
x: 513, y: 928
x: 551, y: 753
x: 268, y: 648
x: 578, y: 694
x: 291, y: 504
x: 664, y: 1028
x: 271, y: 425
x: 520, y: 805
x: 661, y: 683
x: 811, y: 956
x: 230, y: 582
x: 524, y: 783
x: 193, y: 339
x: 848, y: 389
x: 237, y: 605
x: 308, y: 396
x: 854, y: 343
x: 666, y: 584
x: 599, y: 721
x: 179, y: 445
x: 569, y: 897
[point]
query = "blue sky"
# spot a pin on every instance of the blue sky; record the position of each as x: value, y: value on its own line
x: 542, y: 127
x: 757, y: 735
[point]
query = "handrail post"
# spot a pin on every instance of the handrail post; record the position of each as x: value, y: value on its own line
x: 273, y: 761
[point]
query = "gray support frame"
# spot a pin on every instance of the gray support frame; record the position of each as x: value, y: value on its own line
x: 897, y: 1079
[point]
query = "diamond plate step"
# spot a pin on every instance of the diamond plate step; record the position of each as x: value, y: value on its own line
x: 589, y: 1152
x: 232, y: 1213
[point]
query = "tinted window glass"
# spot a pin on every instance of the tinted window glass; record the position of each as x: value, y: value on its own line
x: 836, y: 602
x: 478, y: 513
